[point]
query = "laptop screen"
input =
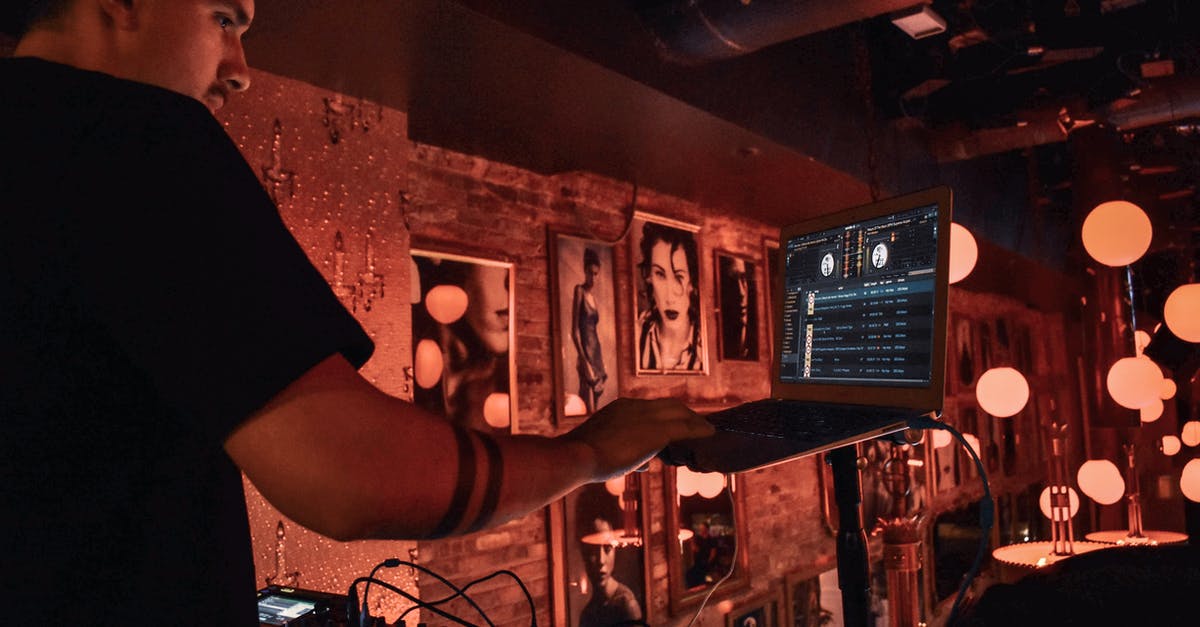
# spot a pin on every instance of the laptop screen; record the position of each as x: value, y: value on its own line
x: 859, y: 298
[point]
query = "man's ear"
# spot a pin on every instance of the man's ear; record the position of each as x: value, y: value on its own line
x: 122, y: 14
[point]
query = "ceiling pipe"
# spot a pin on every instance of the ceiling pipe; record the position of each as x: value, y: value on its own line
x: 1161, y: 101
x: 1168, y: 99
x: 698, y: 31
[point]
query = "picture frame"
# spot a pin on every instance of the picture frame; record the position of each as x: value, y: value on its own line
x: 598, y: 542
x: 773, y: 265
x: 463, y: 339
x: 670, y: 329
x: 584, y: 324
x: 802, y: 600
x: 878, y: 458
x: 760, y: 611
x: 736, y: 306
x: 706, y: 537
x: 966, y: 370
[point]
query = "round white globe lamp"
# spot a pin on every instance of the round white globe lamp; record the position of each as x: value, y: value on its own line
x: 1117, y: 233
x: 1134, y: 382
x: 1002, y: 392
x: 964, y: 252
x: 1101, y: 480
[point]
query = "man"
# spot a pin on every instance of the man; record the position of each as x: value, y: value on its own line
x: 162, y: 330
x: 739, y: 327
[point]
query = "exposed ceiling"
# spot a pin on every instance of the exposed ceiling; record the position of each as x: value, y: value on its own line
x: 783, y: 109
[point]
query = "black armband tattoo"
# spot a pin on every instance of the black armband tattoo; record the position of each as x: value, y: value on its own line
x: 491, y: 496
x: 464, y: 486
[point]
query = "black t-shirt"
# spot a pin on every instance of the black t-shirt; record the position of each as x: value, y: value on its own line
x: 150, y: 300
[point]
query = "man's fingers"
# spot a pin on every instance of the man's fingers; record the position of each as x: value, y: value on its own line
x: 688, y: 429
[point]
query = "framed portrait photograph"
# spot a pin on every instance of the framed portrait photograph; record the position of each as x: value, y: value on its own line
x: 773, y: 263
x: 737, y: 307
x: 802, y: 601
x: 669, y: 316
x: 585, y: 324
x: 598, y: 534
x: 463, y: 340
x: 705, y: 528
x: 964, y: 373
x: 761, y: 611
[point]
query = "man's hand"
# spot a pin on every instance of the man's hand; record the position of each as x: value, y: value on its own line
x: 626, y: 433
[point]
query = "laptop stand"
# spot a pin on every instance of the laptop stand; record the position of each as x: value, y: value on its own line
x: 853, y: 562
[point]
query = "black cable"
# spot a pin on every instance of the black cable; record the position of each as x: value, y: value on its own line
x: 463, y: 590
x: 987, y: 508
x: 367, y: 589
x: 410, y: 597
x: 395, y: 562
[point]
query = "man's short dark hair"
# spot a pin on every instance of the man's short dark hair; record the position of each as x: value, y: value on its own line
x: 22, y: 15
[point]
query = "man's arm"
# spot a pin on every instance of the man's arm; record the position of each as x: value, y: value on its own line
x: 340, y: 457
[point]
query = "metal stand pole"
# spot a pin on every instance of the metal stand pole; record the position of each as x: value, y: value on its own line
x: 852, y: 559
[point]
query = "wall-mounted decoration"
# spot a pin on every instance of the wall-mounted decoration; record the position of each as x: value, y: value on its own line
x: 705, y: 528
x: 463, y: 340
x: 599, y: 555
x: 774, y: 267
x: 802, y: 601
x: 282, y: 576
x: 275, y: 177
x: 669, y: 318
x: 968, y: 423
x: 737, y: 307
x: 585, y: 329
x: 984, y: 346
x: 361, y: 288
x: 963, y: 342
x: 341, y: 117
x: 761, y: 611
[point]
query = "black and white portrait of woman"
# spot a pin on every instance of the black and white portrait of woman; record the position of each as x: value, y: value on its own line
x: 587, y: 334
x: 670, y: 324
x: 462, y: 339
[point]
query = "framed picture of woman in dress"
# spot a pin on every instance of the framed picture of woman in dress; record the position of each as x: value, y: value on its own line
x: 463, y: 340
x: 585, y: 329
x: 737, y: 303
x: 669, y: 322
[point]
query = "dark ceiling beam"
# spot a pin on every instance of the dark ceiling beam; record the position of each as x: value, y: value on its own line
x: 475, y: 85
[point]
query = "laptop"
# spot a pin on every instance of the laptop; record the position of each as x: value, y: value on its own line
x: 860, y: 336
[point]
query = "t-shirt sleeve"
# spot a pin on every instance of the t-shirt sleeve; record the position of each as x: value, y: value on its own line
x: 185, y: 262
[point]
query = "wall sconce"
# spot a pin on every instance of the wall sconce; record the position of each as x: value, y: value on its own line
x: 706, y: 484
x: 364, y: 289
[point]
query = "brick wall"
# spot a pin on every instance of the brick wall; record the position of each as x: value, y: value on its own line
x: 373, y: 184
